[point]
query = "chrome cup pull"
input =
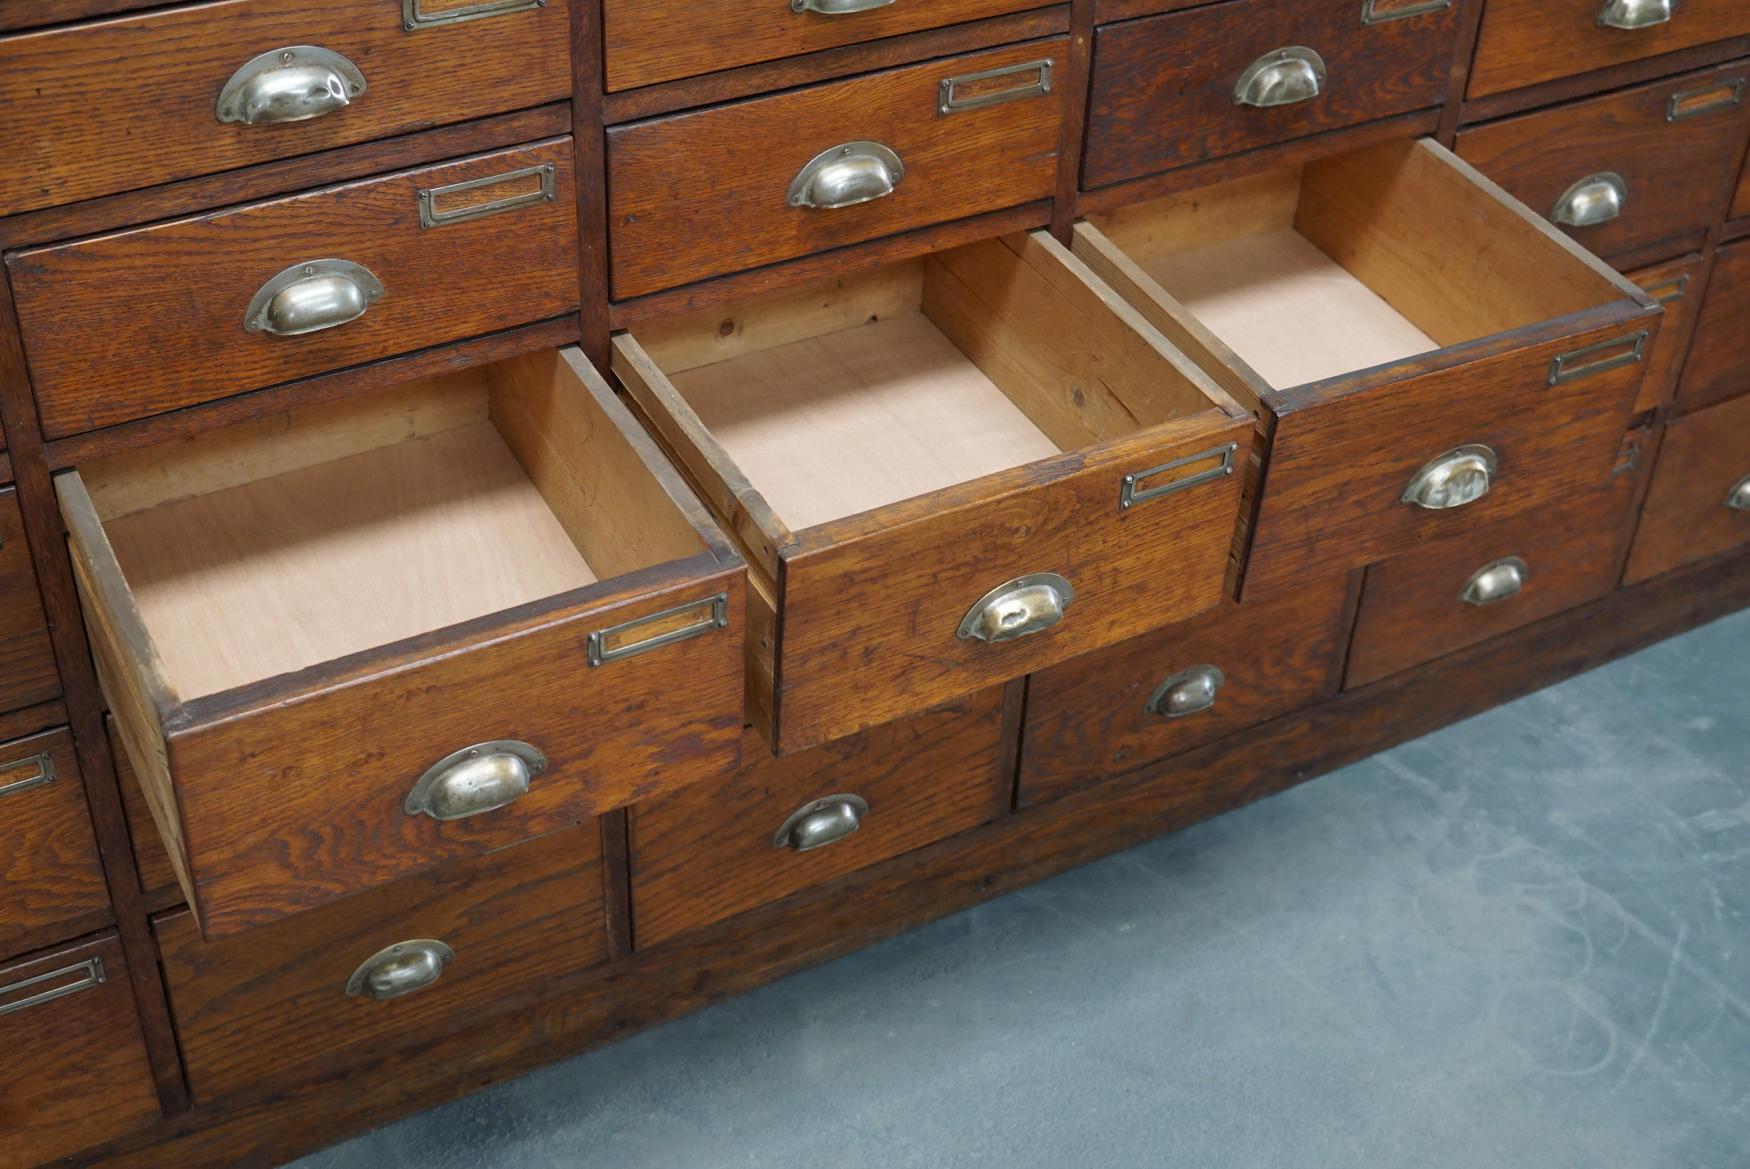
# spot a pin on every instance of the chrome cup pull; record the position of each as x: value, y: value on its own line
x: 1738, y: 498
x: 1284, y: 77
x: 1495, y: 582
x: 821, y: 822
x: 312, y: 296
x: 837, y: 7
x: 1460, y: 476
x: 1187, y: 692
x: 1027, y: 604
x: 291, y: 84
x: 1593, y: 200
x: 477, y: 779
x: 400, y: 969
x: 847, y: 174
x: 1632, y: 14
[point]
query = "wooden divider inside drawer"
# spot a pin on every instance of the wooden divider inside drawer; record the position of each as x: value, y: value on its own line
x: 49, y: 869
x: 1421, y: 351
x: 946, y: 474
x: 345, y: 644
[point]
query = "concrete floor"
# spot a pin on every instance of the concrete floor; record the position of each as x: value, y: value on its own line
x: 1521, y: 942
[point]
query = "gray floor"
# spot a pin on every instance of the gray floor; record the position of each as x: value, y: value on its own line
x: 1522, y: 941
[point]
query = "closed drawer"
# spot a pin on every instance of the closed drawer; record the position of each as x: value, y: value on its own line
x: 1718, y: 366
x: 947, y: 474
x: 154, y: 319
x: 1699, y: 503
x: 1678, y: 287
x: 1453, y: 593
x: 1155, y: 696
x: 1523, y: 42
x: 1183, y: 87
x: 27, y: 660
x: 314, y: 993
x: 1741, y: 200
x: 53, y: 881
x: 1626, y: 170
x: 782, y: 825
x: 833, y: 164
x: 71, y: 1055
x: 345, y: 644
x: 213, y: 84
x: 643, y: 43
x: 1424, y: 353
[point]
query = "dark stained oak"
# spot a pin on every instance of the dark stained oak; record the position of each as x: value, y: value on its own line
x: 158, y: 883
x: 1678, y: 286
x: 1702, y: 458
x: 27, y: 660
x: 51, y: 881
x: 1719, y: 357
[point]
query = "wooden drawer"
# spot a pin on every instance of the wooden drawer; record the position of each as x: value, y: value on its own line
x: 1390, y: 314
x: 642, y: 45
x: 298, y: 620
x: 1183, y: 87
x: 1155, y: 696
x: 827, y: 165
x: 1718, y: 366
x: 71, y: 1054
x: 299, y: 996
x: 27, y: 660
x: 1677, y: 285
x: 1741, y: 200
x: 73, y: 99
x: 157, y: 874
x: 1453, y: 593
x: 153, y: 319
x: 780, y: 825
x: 897, y: 450
x: 1627, y: 170
x: 1524, y: 42
x: 1699, y: 503
x: 52, y: 880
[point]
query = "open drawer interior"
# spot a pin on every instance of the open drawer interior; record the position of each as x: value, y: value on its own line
x: 1352, y: 262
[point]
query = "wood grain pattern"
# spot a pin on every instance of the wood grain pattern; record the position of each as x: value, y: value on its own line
x: 1685, y: 518
x: 1679, y: 173
x: 158, y: 880
x: 957, y: 165
x: 258, y: 1009
x: 71, y: 98
x: 1741, y: 199
x: 1719, y: 356
x: 1086, y: 719
x: 1678, y: 285
x: 49, y: 868
x: 705, y: 854
x: 27, y: 660
x: 1163, y: 87
x: 75, y: 1068
x: 642, y: 48
x: 243, y: 784
x: 98, y: 358
x: 1524, y: 42
x: 1410, y: 607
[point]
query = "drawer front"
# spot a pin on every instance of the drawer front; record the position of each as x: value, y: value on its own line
x: 772, y: 179
x: 778, y: 826
x: 644, y: 45
x: 71, y: 1055
x: 1449, y: 594
x: 27, y: 660
x: 1523, y: 42
x: 1678, y: 286
x: 148, y: 320
x: 52, y: 880
x: 1183, y: 87
x: 1699, y: 503
x: 1626, y: 170
x: 1718, y: 366
x: 301, y: 996
x: 1144, y: 700
x: 1333, y: 494
x: 72, y: 100
x: 1741, y: 201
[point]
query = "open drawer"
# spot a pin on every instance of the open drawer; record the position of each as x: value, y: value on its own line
x: 947, y: 473
x: 1422, y: 352
x: 349, y: 642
